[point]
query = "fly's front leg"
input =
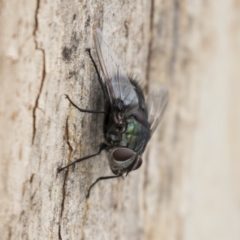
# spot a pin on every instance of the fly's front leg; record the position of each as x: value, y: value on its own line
x: 100, y: 179
x: 83, y: 110
x: 101, y: 147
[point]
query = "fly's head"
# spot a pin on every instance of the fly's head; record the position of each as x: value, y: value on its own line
x: 124, y: 160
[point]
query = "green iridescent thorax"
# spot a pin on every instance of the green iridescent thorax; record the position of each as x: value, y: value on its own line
x: 136, y: 136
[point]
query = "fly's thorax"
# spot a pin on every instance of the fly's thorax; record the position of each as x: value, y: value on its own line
x: 136, y: 135
x: 124, y: 160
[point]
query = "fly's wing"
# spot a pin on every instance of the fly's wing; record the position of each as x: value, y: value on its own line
x: 157, y: 103
x: 113, y: 75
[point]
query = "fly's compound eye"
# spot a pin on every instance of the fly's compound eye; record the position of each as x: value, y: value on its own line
x: 124, y: 160
x: 122, y: 154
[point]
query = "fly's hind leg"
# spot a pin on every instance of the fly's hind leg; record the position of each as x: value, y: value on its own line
x: 88, y: 50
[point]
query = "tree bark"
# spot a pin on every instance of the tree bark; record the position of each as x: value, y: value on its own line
x: 43, y: 57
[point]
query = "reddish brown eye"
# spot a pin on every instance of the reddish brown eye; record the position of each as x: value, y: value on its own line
x: 122, y: 154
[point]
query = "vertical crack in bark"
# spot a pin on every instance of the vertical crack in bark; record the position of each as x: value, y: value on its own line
x: 59, y: 232
x: 65, y: 179
x: 43, y: 69
x: 150, y: 43
x: 9, y: 232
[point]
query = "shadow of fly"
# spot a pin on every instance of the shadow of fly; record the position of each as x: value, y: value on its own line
x: 130, y: 119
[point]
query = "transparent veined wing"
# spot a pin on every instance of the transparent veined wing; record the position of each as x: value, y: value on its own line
x: 157, y: 103
x: 113, y: 75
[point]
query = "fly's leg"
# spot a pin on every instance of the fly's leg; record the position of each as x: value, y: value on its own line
x: 98, y: 73
x: 101, y: 147
x: 99, y: 179
x: 88, y: 50
x: 83, y: 110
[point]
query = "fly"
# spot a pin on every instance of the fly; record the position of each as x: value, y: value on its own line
x: 130, y: 119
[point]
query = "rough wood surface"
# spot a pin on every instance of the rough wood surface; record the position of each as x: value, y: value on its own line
x: 42, y: 57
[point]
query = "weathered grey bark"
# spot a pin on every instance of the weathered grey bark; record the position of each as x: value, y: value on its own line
x: 42, y: 57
